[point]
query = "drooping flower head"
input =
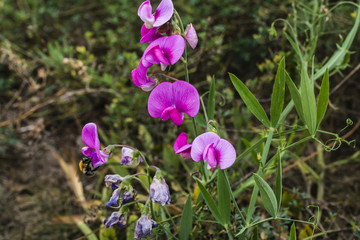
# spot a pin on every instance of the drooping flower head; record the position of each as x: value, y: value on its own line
x: 172, y: 100
x: 123, y: 191
x: 144, y: 226
x: 182, y: 147
x: 129, y: 157
x: 113, y: 181
x: 210, y: 148
x: 162, y: 14
x: 159, y: 190
x: 117, y: 219
x: 163, y: 51
x: 92, y: 150
x: 191, y: 36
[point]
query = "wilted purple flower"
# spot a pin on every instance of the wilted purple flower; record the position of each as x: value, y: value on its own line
x: 128, y: 157
x: 91, y: 139
x: 115, y: 218
x: 213, y: 150
x: 162, y: 13
x: 191, y: 36
x: 159, y: 191
x: 113, y: 181
x: 182, y: 147
x: 128, y: 195
x: 144, y: 226
x: 114, y: 200
x: 149, y: 35
x: 172, y: 100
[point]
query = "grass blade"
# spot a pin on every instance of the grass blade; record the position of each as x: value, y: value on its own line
x: 186, y: 220
x: 308, y: 101
x: 277, y: 97
x: 323, y: 99
x: 250, y: 101
x: 293, y: 232
x: 223, y: 197
x: 278, y: 186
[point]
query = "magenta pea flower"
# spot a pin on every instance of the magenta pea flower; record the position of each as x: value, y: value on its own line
x: 182, y: 147
x: 92, y: 150
x: 210, y: 148
x: 172, y: 100
x: 191, y: 36
x: 140, y: 78
x: 164, y: 51
x: 162, y: 14
x: 149, y: 35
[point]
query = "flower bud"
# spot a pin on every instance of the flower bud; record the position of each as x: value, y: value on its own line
x: 159, y: 190
x: 117, y: 219
x: 144, y: 226
x: 191, y: 36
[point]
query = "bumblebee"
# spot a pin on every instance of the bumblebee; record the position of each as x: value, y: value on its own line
x: 87, y: 167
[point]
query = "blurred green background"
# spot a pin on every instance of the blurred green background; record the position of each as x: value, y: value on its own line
x: 66, y: 63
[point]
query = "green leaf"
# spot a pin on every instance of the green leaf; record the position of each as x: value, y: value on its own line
x: 250, y: 101
x: 211, y: 100
x: 308, y: 101
x: 278, y: 186
x: 277, y: 97
x: 323, y: 99
x: 295, y: 95
x: 223, y: 197
x: 186, y: 220
x: 210, y: 202
x: 267, y: 195
x: 255, y: 234
x: 87, y: 231
x: 293, y: 232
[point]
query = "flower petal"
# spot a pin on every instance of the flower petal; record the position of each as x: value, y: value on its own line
x: 149, y: 35
x: 173, y: 48
x: 172, y: 113
x: 209, y: 155
x: 87, y: 151
x: 154, y: 55
x: 225, y: 153
x: 99, y: 158
x: 180, y: 141
x: 163, y: 12
x: 140, y: 78
x: 160, y: 98
x: 186, y: 98
x: 191, y: 36
x: 145, y: 13
x: 199, y: 144
x: 90, y: 136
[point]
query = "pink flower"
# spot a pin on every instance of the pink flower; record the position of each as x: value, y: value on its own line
x: 210, y: 148
x: 172, y: 100
x: 163, y: 51
x: 92, y: 150
x: 182, y: 147
x: 162, y: 14
x: 191, y: 36
x: 149, y: 35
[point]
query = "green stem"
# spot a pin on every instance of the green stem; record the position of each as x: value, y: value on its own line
x: 185, y: 51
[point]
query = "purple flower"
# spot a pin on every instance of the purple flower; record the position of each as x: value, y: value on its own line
x: 149, y: 35
x: 182, y: 147
x: 159, y: 191
x: 162, y: 14
x: 144, y: 226
x: 213, y: 150
x: 127, y: 195
x: 172, y: 100
x: 115, y: 218
x: 114, y: 200
x: 191, y: 36
x: 91, y: 139
x: 163, y: 51
x: 128, y: 157
x: 113, y: 181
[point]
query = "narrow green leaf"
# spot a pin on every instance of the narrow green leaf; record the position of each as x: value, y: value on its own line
x: 211, y: 100
x: 295, y: 46
x: 267, y: 195
x: 323, y: 99
x: 255, y: 234
x: 295, y: 95
x: 186, y: 220
x: 223, y: 198
x: 210, y: 202
x: 87, y: 231
x: 293, y: 232
x: 277, y: 97
x: 308, y: 101
x: 278, y: 186
x: 250, y: 101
